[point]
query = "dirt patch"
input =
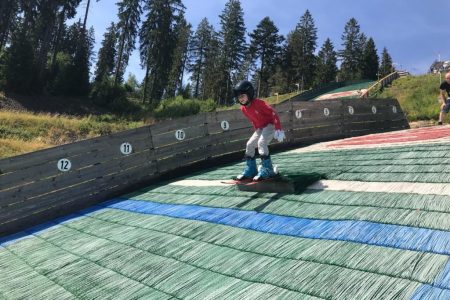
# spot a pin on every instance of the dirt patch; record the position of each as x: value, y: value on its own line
x: 49, y: 104
x: 420, y: 124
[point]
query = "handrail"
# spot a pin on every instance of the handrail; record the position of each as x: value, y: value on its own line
x: 383, y: 82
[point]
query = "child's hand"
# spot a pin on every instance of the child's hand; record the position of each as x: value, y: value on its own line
x: 279, y: 135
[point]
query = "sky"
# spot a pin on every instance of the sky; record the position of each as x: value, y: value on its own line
x: 415, y: 32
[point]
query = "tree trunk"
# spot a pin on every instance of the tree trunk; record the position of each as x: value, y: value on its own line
x: 144, y: 94
x: 86, y: 14
x: 58, y: 35
x: 119, y: 60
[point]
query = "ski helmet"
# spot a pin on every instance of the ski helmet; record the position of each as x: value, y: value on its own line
x: 244, y: 87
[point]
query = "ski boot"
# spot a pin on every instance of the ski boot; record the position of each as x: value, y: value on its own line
x: 250, y: 170
x: 266, y: 169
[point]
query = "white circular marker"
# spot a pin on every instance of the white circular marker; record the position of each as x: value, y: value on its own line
x: 394, y: 109
x: 326, y: 111
x: 126, y: 148
x: 298, y: 114
x: 64, y: 165
x: 374, y: 109
x: 351, y: 110
x: 180, y: 134
x: 225, y: 125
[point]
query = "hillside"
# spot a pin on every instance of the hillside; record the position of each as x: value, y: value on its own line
x: 418, y: 96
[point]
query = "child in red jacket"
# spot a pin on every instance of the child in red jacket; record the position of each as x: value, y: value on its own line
x: 267, y: 126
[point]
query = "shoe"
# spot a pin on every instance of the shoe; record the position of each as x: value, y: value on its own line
x: 250, y: 170
x: 266, y: 169
x: 439, y: 123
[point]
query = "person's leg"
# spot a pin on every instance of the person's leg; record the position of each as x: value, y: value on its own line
x: 250, y: 169
x: 444, y: 110
x: 252, y: 143
x: 266, y: 169
x: 264, y: 140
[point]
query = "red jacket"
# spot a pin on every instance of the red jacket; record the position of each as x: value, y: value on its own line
x: 261, y: 114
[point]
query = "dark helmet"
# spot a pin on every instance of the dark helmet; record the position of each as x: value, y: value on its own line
x: 244, y: 87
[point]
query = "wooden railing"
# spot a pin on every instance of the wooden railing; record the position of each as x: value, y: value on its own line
x: 42, y: 185
x: 380, y: 84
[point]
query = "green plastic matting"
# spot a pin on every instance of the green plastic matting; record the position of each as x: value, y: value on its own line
x: 112, y: 253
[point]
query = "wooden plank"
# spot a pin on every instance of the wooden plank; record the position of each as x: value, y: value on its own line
x: 373, y: 126
x: 306, y: 123
x: 228, y: 136
x: 124, y: 179
x: 170, y: 137
x: 168, y: 126
x: 60, y: 205
x: 317, y: 111
x: 174, y: 149
x: 182, y: 160
x: 233, y: 125
x: 306, y: 133
x: 46, y: 168
x: 229, y: 115
x: 283, y: 107
x: 225, y: 148
x: 66, y: 180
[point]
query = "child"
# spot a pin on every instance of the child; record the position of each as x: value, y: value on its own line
x: 267, y: 126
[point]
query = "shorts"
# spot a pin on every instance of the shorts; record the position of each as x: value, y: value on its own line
x: 446, y: 107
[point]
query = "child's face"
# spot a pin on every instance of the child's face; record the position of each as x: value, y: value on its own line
x: 243, y: 99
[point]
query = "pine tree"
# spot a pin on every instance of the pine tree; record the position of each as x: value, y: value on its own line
x: 157, y: 44
x: 234, y: 47
x: 46, y: 24
x: 265, y: 46
x: 107, y: 54
x: 199, y: 49
x: 212, y: 86
x: 30, y: 11
x: 353, y: 42
x: 44, y: 21
x: 370, y: 61
x: 8, y: 12
x: 82, y: 62
x: 129, y: 17
x: 301, y: 46
x: 386, y: 66
x: 19, y: 71
x: 68, y: 11
x: 72, y: 76
x: 180, y: 57
x: 326, y: 64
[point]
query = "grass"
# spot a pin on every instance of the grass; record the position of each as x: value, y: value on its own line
x: 22, y: 132
x: 417, y: 95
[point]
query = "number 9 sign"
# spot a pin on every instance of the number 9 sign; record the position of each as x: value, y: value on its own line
x: 225, y: 125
